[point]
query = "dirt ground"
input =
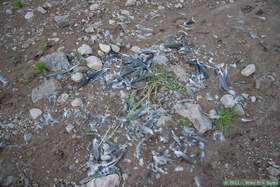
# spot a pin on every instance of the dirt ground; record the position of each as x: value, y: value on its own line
x: 235, y: 32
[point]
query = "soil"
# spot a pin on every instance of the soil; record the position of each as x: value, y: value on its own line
x: 222, y: 28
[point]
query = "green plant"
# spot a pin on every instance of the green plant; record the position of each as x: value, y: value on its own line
x: 159, y: 76
x: 19, y: 3
x: 77, y: 55
x: 39, y: 66
x: 184, y: 120
x: 83, y: 62
x: 225, y: 118
x: 28, y: 81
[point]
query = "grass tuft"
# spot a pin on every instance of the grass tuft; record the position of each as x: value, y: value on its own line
x: 39, y: 66
x: 184, y: 120
x: 158, y: 76
x: 226, y: 117
x: 19, y: 3
x: 83, y: 62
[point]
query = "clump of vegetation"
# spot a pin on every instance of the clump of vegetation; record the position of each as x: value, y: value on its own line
x: 83, y: 62
x: 28, y: 81
x: 225, y: 118
x: 39, y: 66
x: 158, y: 76
x: 184, y: 120
x: 77, y: 55
x: 19, y: 3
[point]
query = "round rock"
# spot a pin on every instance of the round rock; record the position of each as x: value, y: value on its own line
x: 130, y: 3
x: 105, y: 48
x: 94, y: 62
x: 77, y: 102
x: 85, y: 49
x: 77, y: 77
x: 35, y: 113
x: 94, y: 7
x: 115, y: 48
x: 228, y: 101
x: 249, y: 70
x: 29, y: 16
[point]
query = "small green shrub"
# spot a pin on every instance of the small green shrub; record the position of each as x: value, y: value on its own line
x: 225, y: 118
x: 19, y: 3
x: 184, y: 120
x: 39, y: 66
x: 83, y: 62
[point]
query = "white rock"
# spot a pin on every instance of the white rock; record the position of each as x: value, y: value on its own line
x: 69, y: 128
x: 253, y: 99
x: 130, y: 2
x: 41, y: 10
x: 105, y: 157
x: 228, y: 101
x: 35, y: 113
x: 94, y: 62
x: 115, y: 48
x: 193, y: 113
x: 77, y: 77
x: 77, y: 102
x: 94, y: 7
x: 47, y: 88
x: 9, y: 11
x: 106, y: 181
x: 85, y: 49
x: 105, y: 48
x: 249, y: 70
x: 29, y: 16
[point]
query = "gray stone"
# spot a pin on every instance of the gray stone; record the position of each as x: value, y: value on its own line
x: 105, y: 48
x: 94, y: 7
x: 29, y: 16
x: 115, y: 48
x: 77, y: 102
x: 228, y: 101
x: 56, y: 61
x: 249, y: 70
x: 94, y: 62
x: 9, y: 11
x: 77, y: 77
x: 160, y: 59
x: 193, y: 113
x: 106, y: 181
x: 8, y: 181
x: 47, y: 88
x: 130, y: 3
x: 61, y: 21
x: 273, y: 171
x: 85, y: 49
x: 41, y: 10
x: 69, y: 127
x: 253, y: 99
x: 35, y: 113
x: 105, y: 157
